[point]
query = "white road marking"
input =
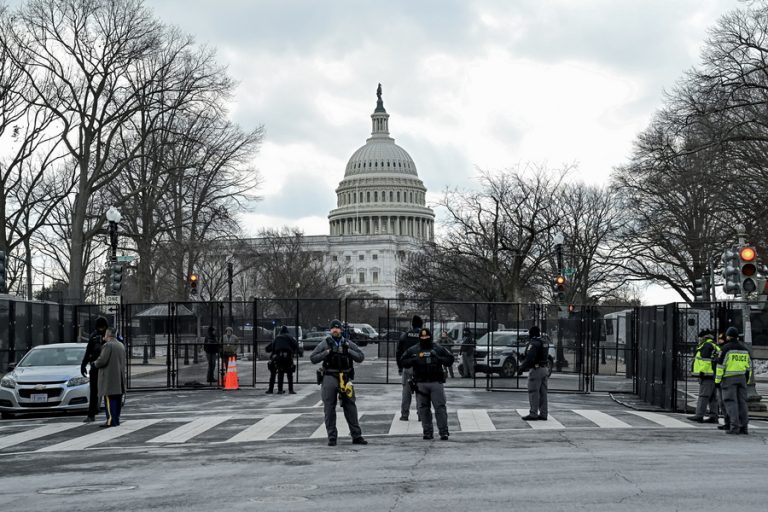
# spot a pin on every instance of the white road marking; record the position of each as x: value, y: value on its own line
x: 601, y: 419
x: 475, y: 420
x: 550, y: 424
x: 103, y: 435
x: 189, y: 430
x: 46, y: 430
x: 660, y: 419
x: 412, y: 426
x: 264, y: 428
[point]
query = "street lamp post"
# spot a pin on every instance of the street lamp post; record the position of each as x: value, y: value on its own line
x: 559, y: 355
x: 113, y: 217
x: 298, y: 289
x: 230, y: 271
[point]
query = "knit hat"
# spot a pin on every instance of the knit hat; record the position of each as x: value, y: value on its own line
x: 416, y: 321
x: 534, y: 332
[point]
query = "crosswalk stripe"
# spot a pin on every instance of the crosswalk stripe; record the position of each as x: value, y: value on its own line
x: 550, y: 424
x: 103, y: 435
x: 412, y: 426
x: 475, y: 420
x: 601, y: 419
x: 660, y: 419
x: 342, y: 428
x: 46, y: 430
x: 189, y: 430
x: 264, y: 428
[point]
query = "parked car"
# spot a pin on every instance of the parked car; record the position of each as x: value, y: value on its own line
x: 313, y: 338
x: 507, y: 352
x: 46, y: 379
x: 367, y: 330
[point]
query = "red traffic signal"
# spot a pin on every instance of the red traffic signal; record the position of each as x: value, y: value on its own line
x: 193, y: 279
x: 748, y: 268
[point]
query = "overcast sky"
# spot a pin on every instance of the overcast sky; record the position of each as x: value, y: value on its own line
x: 469, y: 85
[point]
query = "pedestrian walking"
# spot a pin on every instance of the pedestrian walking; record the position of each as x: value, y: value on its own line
x: 212, y: 348
x: 536, y: 362
x: 467, y: 352
x: 407, y: 340
x: 282, y: 351
x: 92, y: 351
x: 706, y: 351
x: 111, y: 364
x: 446, y: 342
x: 733, y: 372
x: 338, y: 355
x: 427, y: 360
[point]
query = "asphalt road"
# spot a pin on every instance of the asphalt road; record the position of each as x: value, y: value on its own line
x: 243, y: 450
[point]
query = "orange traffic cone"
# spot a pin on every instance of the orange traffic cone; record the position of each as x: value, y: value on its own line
x: 230, y: 382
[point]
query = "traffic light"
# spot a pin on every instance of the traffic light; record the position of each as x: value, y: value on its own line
x: 193, y: 279
x: 116, y: 279
x: 559, y: 288
x: 701, y: 289
x: 3, y: 284
x: 731, y: 272
x: 748, y: 269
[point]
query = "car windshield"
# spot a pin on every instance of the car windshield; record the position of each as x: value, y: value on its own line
x: 69, y: 356
x: 501, y: 340
x: 316, y: 334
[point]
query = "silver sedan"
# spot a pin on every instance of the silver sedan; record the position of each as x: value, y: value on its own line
x: 46, y: 379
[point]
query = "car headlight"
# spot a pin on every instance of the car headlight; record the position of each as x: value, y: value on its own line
x: 77, y: 381
x: 7, y: 382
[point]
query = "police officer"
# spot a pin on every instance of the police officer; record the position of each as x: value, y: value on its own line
x: 467, y: 352
x: 337, y: 355
x: 283, y: 350
x: 536, y: 361
x: 408, y: 339
x: 733, y: 371
x: 427, y: 360
x: 706, y: 352
x: 92, y: 351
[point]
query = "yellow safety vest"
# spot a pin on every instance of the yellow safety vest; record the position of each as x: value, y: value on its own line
x: 702, y: 365
x: 737, y: 362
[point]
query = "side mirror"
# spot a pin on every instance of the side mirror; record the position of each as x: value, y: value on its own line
x: 11, y: 367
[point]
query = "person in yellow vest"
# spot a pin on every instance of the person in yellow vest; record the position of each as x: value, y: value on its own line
x: 733, y: 371
x: 706, y: 352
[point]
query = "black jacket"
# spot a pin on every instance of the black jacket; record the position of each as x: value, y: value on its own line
x: 283, y: 343
x: 93, y: 349
x: 468, y: 344
x: 407, y: 340
x: 211, y: 345
x: 427, y: 363
x: 535, y: 354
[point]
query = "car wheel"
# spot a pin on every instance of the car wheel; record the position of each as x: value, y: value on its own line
x: 6, y: 415
x: 509, y: 368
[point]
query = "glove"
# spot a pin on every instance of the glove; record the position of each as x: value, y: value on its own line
x: 83, y: 370
x: 717, y: 385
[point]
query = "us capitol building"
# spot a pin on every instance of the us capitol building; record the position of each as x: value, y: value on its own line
x: 380, y: 216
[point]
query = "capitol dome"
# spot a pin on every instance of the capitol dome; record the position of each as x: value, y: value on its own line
x: 381, y: 192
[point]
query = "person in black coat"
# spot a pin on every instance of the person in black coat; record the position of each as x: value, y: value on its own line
x: 212, y: 348
x: 282, y: 350
x: 536, y: 362
x: 92, y: 351
x: 407, y: 340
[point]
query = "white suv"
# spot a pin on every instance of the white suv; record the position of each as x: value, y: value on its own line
x: 507, y: 352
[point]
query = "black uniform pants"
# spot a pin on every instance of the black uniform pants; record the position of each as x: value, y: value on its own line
x: 93, y: 398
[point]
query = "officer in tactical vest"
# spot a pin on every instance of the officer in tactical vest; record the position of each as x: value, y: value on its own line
x: 733, y: 372
x: 407, y: 340
x: 337, y: 354
x: 283, y: 350
x: 536, y: 361
x: 706, y: 351
x: 427, y: 360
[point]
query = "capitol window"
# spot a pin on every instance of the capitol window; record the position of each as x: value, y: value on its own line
x: 361, y: 277
x: 335, y: 258
x: 375, y: 257
x: 375, y: 197
x: 347, y: 258
x: 361, y: 257
x: 349, y: 279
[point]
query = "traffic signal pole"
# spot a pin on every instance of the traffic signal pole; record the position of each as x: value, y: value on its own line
x: 748, y: 270
x: 559, y: 354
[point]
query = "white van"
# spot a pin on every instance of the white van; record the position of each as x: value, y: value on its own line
x: 367, y: 330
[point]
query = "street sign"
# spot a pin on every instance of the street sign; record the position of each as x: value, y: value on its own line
x: 125, y: 259
x: 112, y: 309
x: 112, y: 299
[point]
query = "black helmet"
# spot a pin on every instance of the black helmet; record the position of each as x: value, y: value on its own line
x: 534, y: 332
x: 102, y: 323
x: 335, y: 323
x: 284, y: 329
x: 705, y: 332
x: 416, y: 321
x: 732, y: 332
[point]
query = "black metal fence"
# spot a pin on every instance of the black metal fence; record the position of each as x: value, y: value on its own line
x: 639, y: 350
